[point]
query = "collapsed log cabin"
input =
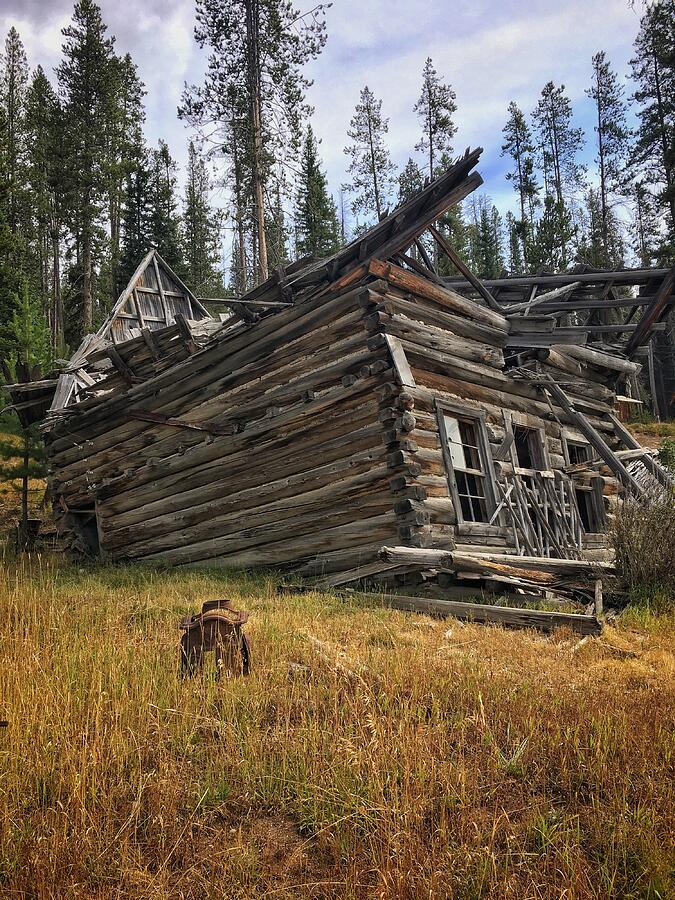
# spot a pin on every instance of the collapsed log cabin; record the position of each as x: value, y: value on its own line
x: 352, y: 404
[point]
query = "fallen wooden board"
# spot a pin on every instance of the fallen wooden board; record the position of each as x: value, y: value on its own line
x: 452, y: 559
x: 498, y: 615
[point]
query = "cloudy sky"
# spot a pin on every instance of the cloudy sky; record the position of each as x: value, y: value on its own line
x: 491, y: 51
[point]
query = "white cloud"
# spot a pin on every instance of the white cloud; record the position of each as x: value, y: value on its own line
x: 491, y: 51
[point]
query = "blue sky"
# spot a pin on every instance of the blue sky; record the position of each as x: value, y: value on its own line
x: 490, y: 51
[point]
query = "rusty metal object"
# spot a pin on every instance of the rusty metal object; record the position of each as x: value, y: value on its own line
x: 219, y: 628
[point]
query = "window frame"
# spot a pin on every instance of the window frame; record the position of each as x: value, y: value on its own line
x: 478, y: 417
x: 541, y: 457
x: 595, y: 508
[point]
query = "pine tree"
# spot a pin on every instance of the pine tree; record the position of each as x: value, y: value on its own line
x: 165, y: 223
x: 516, y: 258
x: 136, y: 217
x: 490, y: 241
x: 31, y: 341
x: 276, y: 227
x: 612, y: 139
x: 124, y: 147
x: 553, y: 233
x: 86, y: 84
x: 254, y: 90
x: 14, y: 86
x: 44, y: 166
x: 653, y: 69
x: 316, y: 222
x: 560, y: 144
x: 201, y: 230
x: 646, y: 226
x: 9, y: 282
x: 371, y: 167
x: 435, y: 109
x: 601, y: 245
x: 410, y: 180
x: 519, y: 146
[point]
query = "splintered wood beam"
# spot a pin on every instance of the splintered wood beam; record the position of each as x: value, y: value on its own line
x: 120, y: 364
x: 652, y: 314
x: 452, y: 560
x: 425, y: 256
x: 419, y: 268
x: 185, y: 333
x: 619, y: 277
x: 464, y: 269
x: 424, y: 287
x: 151, y: 343
x: 593, y: 437
x: 232, y: 302
x: 562, y: 307
x: 542, y: 298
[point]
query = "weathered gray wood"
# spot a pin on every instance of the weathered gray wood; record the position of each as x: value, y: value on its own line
x: 594, y: 438
x: 598, y: 358
x: 651, y: 464
x: 450, y: 561
x: 403, y: 373
x: 408, y: 281
x: 497, y: 615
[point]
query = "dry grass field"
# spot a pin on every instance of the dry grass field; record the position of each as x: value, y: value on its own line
x: 410, y: 758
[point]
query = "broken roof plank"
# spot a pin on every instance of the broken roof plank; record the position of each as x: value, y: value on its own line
x: 459, y: 264
x: 652, y: 314
x: 451, y: 300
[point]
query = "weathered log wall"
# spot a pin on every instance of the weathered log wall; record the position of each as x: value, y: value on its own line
x: 459, y: 360
x: 303, y: 474
x: 309, y: 438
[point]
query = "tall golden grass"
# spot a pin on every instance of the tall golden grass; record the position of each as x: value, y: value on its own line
x: 413, y: 758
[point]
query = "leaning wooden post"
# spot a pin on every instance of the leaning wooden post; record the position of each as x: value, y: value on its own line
x: 598, y: 596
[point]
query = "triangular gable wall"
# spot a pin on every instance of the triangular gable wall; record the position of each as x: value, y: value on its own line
x: 153, y: 297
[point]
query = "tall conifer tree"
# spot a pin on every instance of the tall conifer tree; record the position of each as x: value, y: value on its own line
x: 371, y: 167
x: 254, y: 92
x: 165, y: 223
x: 519, y: 146
x: 560, y: 143
x: 316, y: 222
x: 86, y: 83
x: 45, y: 161
x: 653, y: 69
x: 435, y: 108
x: 611, y: 140
x: 201, y: 230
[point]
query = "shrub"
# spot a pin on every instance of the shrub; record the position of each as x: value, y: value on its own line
x: 644, y: 540
x: 667, y: 453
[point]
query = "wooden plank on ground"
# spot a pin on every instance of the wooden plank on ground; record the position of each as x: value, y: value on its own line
x: 497, y: 615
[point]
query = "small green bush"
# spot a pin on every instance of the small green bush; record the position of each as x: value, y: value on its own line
x: 644, y: 541
x: 667, y: 453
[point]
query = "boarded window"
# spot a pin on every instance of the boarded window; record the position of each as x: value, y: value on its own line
x: 466, y: 460
x: 529, y: 447
x: 591, y: 515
